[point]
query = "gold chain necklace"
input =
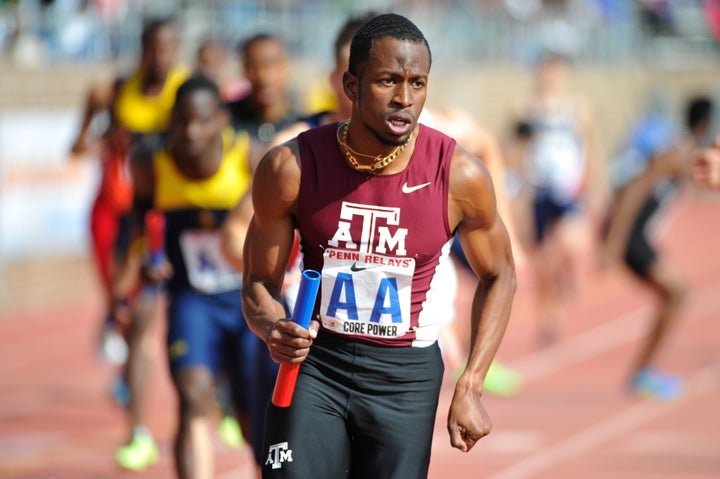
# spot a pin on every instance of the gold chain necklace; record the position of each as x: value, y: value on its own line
x: 380, y: 161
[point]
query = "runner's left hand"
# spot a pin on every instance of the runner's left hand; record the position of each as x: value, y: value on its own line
x: 468, y: 421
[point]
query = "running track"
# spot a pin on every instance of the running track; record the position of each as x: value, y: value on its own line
x: 572, y: 420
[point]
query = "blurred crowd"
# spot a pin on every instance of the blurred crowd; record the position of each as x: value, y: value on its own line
x: 39, y: 31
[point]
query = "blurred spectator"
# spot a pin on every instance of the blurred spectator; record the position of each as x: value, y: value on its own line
x: 711, y: 11
x: 614, y: 10
x: 561, y: 26
x: 657, y: 17
x: 8, y: 27
x: 113, y: 13
x: 77, y: 32
x: 478, y: 30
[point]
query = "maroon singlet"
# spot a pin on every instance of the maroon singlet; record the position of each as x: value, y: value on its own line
x: 377, y: 239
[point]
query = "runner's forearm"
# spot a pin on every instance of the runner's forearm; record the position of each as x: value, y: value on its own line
x: 489, y: 319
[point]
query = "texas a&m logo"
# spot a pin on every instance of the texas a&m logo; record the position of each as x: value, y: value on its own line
x: 372, y: 231
x: 367, y: 279
x: 278, y: 454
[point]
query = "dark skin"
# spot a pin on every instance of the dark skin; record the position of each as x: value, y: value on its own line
x: 402, y: 81
x: 158, y: 56
x: 196, y: 147
x: 266, y: 68
x: 706, y: 167
x: 676, y: 163
x: 680, y: 162
x: 387, y: 94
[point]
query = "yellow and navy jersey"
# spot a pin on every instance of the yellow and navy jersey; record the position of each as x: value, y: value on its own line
x: 141, y: 114
x: 194, y: 211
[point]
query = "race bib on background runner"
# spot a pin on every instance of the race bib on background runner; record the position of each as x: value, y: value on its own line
x: 206, y: 267
x: 366, y: 294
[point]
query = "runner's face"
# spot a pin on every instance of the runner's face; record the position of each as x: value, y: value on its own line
x: 551, y: 75
x: 390, y: 91
x: 161, y: 53
x: 197, y: 124
x: 266, y: 68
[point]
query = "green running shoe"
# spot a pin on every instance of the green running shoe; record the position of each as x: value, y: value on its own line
x: 499, y: 380
x: 140, y: 453
x: 230, y: 432
x: 502, y: 381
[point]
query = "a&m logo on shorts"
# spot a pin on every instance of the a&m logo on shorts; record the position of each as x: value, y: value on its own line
x: 278, y: 454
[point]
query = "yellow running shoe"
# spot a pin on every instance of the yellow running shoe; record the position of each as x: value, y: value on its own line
x: 140, y: 453
x: 230, y: 432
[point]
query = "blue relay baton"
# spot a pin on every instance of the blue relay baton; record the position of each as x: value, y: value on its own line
x: 302, y: 314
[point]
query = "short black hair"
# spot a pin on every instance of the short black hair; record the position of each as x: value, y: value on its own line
x: 152, y: 27
x: 348, y: 30
x: 199, y: 82
x: 388, y: 25
x: 523, y: 130
x: 548, y: 55
x: 699, y: 109
x: 245, y: 44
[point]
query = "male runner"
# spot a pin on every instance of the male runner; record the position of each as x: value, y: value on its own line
x: 654, y: 165
x: 195, y: 179
x: 376, y: 200
x: 139, y: 107
x: 453, y: 122
x: 267, y: 107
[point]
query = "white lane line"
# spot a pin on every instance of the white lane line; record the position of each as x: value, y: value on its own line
x: 689, y: 444
x: 608, y: 429
x: 628, y: 327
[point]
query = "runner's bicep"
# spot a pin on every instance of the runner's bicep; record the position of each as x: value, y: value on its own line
x: 267, y: 250
x: 275, y: 186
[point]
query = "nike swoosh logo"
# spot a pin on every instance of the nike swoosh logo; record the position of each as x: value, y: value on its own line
x: 410, y: 189
x: 357, y: 268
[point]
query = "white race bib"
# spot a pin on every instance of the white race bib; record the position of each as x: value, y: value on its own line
x: 366, y: 294
x: 206, y: 267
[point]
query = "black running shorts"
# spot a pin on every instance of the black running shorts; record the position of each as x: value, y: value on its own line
x: 359, y: 411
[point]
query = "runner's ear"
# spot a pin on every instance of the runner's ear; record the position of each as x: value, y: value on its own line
x: 349, y: 82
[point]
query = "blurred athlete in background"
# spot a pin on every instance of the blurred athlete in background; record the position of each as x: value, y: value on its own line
x: 139, y: 107
x: 646, y: 177
x: 562, y: 188
x: 194, y: 179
